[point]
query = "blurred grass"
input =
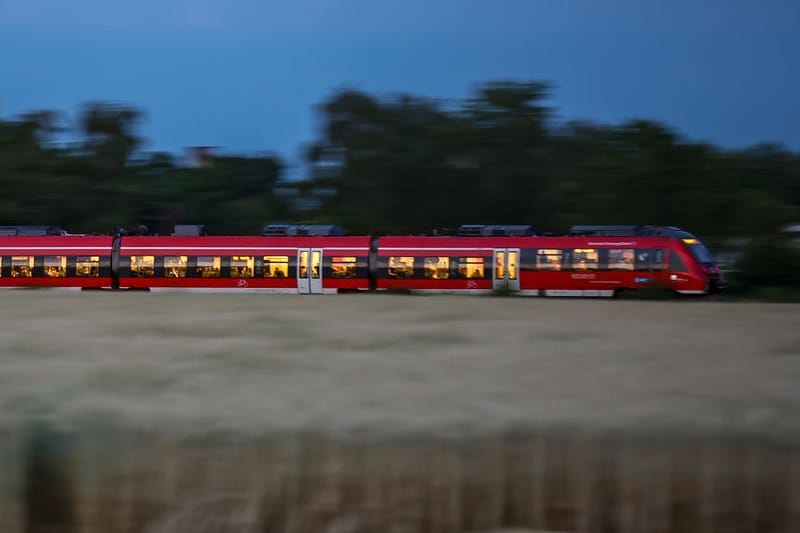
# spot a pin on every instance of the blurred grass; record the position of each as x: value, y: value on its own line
x: 561, y: 480
x: 191, y: 412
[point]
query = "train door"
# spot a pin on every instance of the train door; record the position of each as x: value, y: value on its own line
x: 506, y: 269
x: 309, y: 271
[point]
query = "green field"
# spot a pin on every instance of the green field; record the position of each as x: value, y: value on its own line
x: 175, y: 397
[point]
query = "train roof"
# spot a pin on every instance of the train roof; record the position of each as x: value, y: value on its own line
x: 628, y: 231
x: 317, y: 230
x: 30, y: 231
x: 496, y: 230
x: 526, y: 241
x: 322, y: 230
x: 219, y: 244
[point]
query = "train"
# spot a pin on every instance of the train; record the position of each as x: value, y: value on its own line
x: 588, y: 261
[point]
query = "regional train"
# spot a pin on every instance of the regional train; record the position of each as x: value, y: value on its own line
x: 590, y: 261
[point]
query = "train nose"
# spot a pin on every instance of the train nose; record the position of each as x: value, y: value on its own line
x: 716, y: 280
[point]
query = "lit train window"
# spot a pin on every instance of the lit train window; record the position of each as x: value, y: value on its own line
x: 276, y: 266
x: 513, y: 266
x: 316, y: 259
x: 22, y: 266
x: 87, y: 266
x: 302, y: 264
x: 343, y: 267
x: 584, y: 259
x: 470, y: 267
x: 500, y: 265
x: 549, y: 259
x: 208, y: 267
x: 242, y: 266
x: 143, y: 266
x: 621, y: 259
x: 437, y: 267
x: 175, y: 266
x: 401, y: 267
x: 55, y: 266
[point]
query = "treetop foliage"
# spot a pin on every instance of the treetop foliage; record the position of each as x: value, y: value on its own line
x: 401, y: 164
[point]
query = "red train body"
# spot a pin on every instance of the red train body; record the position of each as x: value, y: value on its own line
x: 272, y: 264
x: 587, y: 265
x: 70, y: 261
x: 542, y: 265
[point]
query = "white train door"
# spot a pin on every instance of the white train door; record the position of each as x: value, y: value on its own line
x: 309, y: 271
x: 506, y: 269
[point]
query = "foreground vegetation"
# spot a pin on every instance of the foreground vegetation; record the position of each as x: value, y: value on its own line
x: 190, y: 412
x: 520, y: 482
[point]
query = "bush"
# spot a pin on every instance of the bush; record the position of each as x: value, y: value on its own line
x: 769, y: 262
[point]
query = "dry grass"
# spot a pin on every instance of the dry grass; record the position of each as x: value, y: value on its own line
x: 396, y: 413
x: 257, y: 363
x: 312, y: 483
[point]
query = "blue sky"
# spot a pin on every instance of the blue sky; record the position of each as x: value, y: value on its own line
x: 245, y: 75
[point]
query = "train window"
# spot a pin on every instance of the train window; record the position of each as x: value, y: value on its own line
x: 658, y: 259
x: 302, y: 264
x: 22, y: 266
x: 175, y: 266
x: 242, y: 266
x: 470, y: 267
x: 620, y: 259
x: 276, y: 266
x: 513, y: 266
x: 401, y: 267
x: 500, y: 265
x: 584, y: 259
x: 55, y: 266
x: 643, y: 259
x: 316, y: 259
x: 343, y: 267
x: 675, y: 262
x: 143, y: 266
x: 549, y: 259
x: 437, y: 267
x: 87, y: 266
x: 527, y: 259
x: 208, y: 266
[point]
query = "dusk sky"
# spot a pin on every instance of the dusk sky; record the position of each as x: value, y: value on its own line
x: 246, y: 75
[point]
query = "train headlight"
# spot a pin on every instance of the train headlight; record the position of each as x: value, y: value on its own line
x: 673, y: 277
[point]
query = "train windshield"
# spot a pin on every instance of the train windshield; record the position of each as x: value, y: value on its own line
x: 699, y: 251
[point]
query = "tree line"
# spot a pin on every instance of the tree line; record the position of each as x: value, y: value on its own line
x: 404, y: 164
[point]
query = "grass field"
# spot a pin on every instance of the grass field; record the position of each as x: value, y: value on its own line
x: 150, y: 392
x: 257, y: 363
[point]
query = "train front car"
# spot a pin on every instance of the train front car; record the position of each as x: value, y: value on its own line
x: 591, y: 261
x: 282, y: 264
x: 36, y: 259
x: 703, y: 274
x: 646, y: 256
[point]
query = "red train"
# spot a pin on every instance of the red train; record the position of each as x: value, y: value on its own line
x: 590, y: 261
